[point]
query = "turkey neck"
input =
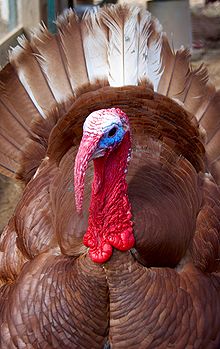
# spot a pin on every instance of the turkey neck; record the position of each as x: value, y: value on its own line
x: 110, y: 222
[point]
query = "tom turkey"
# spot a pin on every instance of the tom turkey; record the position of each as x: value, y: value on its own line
x: 133, y: 260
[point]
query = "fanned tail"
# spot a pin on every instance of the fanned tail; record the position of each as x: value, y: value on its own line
x: 121, y: 44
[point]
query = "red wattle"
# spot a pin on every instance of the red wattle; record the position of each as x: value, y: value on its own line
x: 101, y: 254
x: 122, y: 241
x: 110, y: 222
x: 101, y: 246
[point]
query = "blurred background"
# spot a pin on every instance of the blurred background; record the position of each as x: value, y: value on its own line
x: 193, y: 23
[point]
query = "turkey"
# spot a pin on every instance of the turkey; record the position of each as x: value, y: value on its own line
x: 115, y: 242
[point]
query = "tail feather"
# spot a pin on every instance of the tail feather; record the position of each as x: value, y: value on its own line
x: 11, y: 123
x: 25, y: 63
x: 210, y: 118
x: 175, y: 71
x: 17, y: 119
x: 95, y: 40
x: 122, y: 43
x: 197, y: 91
x: 9, y: 144
x: 210, y: 121
x: 9, y: 155
x: 144, y: 32
x: 10, y: 148
x: 8, y: 165
x: 154, y: 62
x: 70, y: 37
x: 134, y: 46
x: 16, y: 95
x: 47, y: 52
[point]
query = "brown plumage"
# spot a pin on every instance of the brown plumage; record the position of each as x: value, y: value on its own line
x: 165, y: 291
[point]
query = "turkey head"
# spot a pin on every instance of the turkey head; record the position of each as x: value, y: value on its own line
x: 106, y: 139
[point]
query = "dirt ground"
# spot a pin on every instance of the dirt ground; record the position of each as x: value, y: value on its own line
x: 209, y: 54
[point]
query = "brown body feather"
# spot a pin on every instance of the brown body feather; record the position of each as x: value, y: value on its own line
x: 166, y: 290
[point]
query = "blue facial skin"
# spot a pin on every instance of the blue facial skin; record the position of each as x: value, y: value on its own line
x: 111, y: 137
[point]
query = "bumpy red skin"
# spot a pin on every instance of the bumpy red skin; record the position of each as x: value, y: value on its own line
x: 110, y: 222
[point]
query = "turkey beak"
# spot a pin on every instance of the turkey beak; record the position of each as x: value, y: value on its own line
x: 85, y: 153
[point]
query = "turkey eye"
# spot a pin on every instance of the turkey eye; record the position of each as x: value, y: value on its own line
x: 112, y: 132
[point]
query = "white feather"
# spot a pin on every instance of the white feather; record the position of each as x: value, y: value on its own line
x: 122, y: 46
x: 21, y: 76
x: 134, y: 46
x: 154, y: 62
x: 95, y: 46
x: 143, y: 36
